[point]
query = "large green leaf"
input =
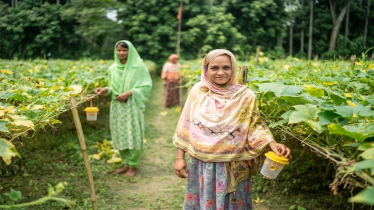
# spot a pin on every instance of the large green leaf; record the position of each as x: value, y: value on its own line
x: 314, y: 91
x: 359, y: 110
x: 358, y: 131
x: 366, y: 197
x: 365, y: 164
x: 308, y: 114
x: 327, y: 117
x: 279, y: 89
x: 337, y: 97
x: 368, y: 154
x: 3, y: 127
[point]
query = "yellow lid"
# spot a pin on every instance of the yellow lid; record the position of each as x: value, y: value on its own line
x: 279, y: 159
x: 91, y: 109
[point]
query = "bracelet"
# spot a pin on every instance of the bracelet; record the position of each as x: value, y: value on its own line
x: 179, y: 158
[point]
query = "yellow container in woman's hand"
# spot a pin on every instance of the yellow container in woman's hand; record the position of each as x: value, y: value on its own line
x: 91, y: 113
x: 273, y: 165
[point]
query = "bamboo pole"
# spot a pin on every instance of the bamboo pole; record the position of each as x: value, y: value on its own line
x: 352, y: 60
x: 246, y: 56
x: 82, y: 143
x: 243, y: 73
x: 179, y: 27
x: 257, y: 54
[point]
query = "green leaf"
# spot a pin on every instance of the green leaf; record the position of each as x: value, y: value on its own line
x: 327, y: 117
x: 308, y: 114
x: 368, y: 154
x: 359, y: 110
x: 276, y: 88
x: 352, y: 145
x: 366, y: 197
x: 291, y: 90
x: 336, y: 96
x: 358, y: 131
x: 364, y: 165
x: 280, y: 122
x: 31, y: 114
x: 3, y: 128
x: 6, y: 95
x: 287, y: 114
x: 279, y: 89
x: 314, y: 91
x: 344, y: 111
x: 14, y: 195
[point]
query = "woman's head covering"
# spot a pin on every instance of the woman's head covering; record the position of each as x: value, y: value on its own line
x: 231, y: 85
x: 132, y: 76
x: 172, y: 56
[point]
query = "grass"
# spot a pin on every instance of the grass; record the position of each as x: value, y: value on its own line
x: 54, y: 156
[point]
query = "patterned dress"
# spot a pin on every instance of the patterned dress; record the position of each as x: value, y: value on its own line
x: 171, y: 75
x: 127, y: 125
x: 206, y: 188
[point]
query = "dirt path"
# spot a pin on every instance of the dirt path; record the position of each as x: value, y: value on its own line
x: 155, y: 186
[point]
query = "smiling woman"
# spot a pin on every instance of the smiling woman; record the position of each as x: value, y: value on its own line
x: 221, y: 129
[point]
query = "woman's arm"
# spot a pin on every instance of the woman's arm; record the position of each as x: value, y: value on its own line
x: 180, y: 164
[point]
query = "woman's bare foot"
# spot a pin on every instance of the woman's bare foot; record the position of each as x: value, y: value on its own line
x: 121, y: 170
x: 131, y: 172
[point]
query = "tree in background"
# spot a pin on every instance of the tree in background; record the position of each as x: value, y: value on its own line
x: 76, y: 28
x: 91, y: 24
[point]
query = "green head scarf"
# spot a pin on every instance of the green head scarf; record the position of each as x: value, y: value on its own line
x: 132, y: 76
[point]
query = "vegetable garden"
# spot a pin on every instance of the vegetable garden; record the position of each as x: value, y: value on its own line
x: 323, y: 105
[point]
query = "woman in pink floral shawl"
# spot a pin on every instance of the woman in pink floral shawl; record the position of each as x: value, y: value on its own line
x: 221, y: 129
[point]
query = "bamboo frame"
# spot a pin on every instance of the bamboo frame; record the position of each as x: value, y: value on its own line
x: 82, y: 144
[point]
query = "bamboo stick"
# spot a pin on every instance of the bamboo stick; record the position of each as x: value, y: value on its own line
x: 243, y: 73
x: 353, y: 60
x: 257, y: 54
x: 82, y: 143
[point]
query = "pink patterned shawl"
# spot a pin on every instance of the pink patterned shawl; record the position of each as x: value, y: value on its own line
x: 221, y: 123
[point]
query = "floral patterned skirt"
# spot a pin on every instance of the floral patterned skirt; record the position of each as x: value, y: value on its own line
x: 171, y: 94
x: 206, y: 188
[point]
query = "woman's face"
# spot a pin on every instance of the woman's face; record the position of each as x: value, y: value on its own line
x: 174, y: 60
x: 220, y: 70
x: 122, y: 52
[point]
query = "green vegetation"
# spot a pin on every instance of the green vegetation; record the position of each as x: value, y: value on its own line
x: 77, y: 29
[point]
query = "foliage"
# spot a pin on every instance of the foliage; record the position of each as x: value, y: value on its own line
x: 326, y: 105
x: 34, y: 93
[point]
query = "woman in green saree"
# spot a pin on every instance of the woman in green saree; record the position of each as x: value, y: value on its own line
x: 129, y: 86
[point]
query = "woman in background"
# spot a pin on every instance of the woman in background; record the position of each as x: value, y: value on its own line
x: 171, y: 79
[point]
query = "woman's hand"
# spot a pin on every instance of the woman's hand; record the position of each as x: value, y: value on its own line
x: 101, y: 90
x: 180, y: 168
x: 280, y: 149
x: 124, y: 96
